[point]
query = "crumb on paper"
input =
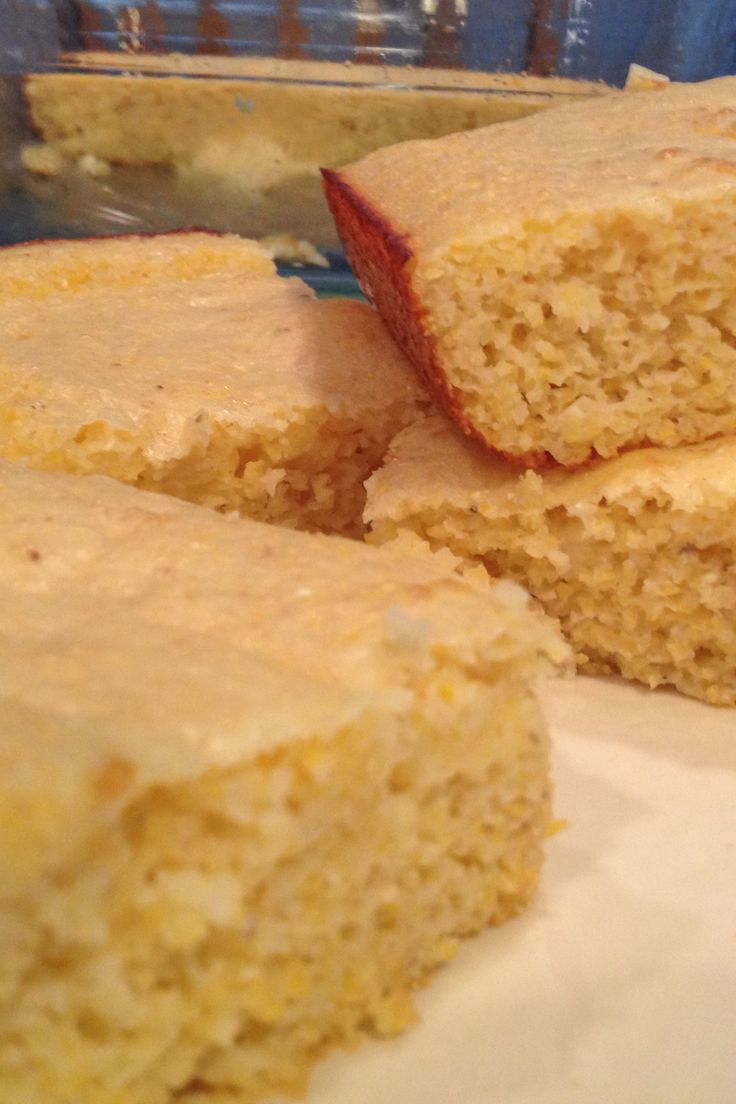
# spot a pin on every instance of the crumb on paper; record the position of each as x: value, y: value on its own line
x: 42, y: 159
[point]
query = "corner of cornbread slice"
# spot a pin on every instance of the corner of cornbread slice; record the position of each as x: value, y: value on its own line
x: 254, y: 787
x: 636, y: 556
x: 565, y: 282
x: 236, y: 389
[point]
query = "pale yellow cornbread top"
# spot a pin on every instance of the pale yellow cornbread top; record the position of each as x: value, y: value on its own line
x: 145, y: 640
x: 162, y: 364
x: 431, y: 466
x: 41, y: 268
x: 615, y: 151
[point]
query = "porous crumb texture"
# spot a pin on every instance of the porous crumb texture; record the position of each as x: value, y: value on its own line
x: 568, y: 284
x: 636, y: 557
x: 251, y: 794
x: 594, y: 336
x: 234, y: 390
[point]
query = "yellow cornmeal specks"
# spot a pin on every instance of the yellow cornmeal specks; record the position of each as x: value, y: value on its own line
x: 635, y: 556
x: 242, y: 817
x: 446, y: 692
x: 557, y: 825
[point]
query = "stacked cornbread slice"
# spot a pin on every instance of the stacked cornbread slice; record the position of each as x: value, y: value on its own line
x: 636, y: 556
x: 183, y: 364
x: 566, y: 286
x: 564, y: 282
x: 255, y: 785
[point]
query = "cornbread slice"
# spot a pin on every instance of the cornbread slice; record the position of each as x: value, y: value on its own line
x: 37, y: 269
x: 636, y: 556
x: 242, y: 139
x: 566, y: 281
x: 234, y: 390
x: 255, y: 785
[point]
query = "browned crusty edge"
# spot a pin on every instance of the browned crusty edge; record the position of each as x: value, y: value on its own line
x: 382, y: 260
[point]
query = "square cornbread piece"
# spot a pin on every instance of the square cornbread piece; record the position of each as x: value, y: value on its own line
x: 40, y: 268
x: 566, y: 281
x: 636, y: 556
x: 232, y: 389
x: 254, y: 786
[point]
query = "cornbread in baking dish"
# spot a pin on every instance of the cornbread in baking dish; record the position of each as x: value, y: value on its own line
x: 565, y: 281
x: 37, y: 269
x: 636, y: 555
x: 256, y: 784
x: 167, y: 109
x: 237, y: 143
x: 234, y: 390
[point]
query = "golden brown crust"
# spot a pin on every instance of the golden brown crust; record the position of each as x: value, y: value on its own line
x: 380, y: 258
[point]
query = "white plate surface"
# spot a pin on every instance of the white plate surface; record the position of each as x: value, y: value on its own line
x: 618, y: 985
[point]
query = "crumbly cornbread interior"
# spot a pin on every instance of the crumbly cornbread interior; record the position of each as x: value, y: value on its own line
x: 573, y: 278
x: 219, y: 936
x: 266, y: 401
x: 594, y: 334
x: 636, y: 556
x: 251, y: 794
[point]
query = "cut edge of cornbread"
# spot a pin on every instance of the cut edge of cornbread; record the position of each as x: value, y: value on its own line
x: 309, y: 474
x: 205, y: 925
x: 565, y: 287
x: 217, y: 937
x: 635, y: 556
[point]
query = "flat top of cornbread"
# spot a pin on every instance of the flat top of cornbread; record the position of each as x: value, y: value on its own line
x: 162, y: 363
x: 617, y: 150
x: 37, y: 269
x: 146, y: 639
x: 430, y: 465
x: 265, y: 68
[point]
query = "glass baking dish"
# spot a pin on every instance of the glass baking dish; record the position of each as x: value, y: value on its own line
x: 157, y: 116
